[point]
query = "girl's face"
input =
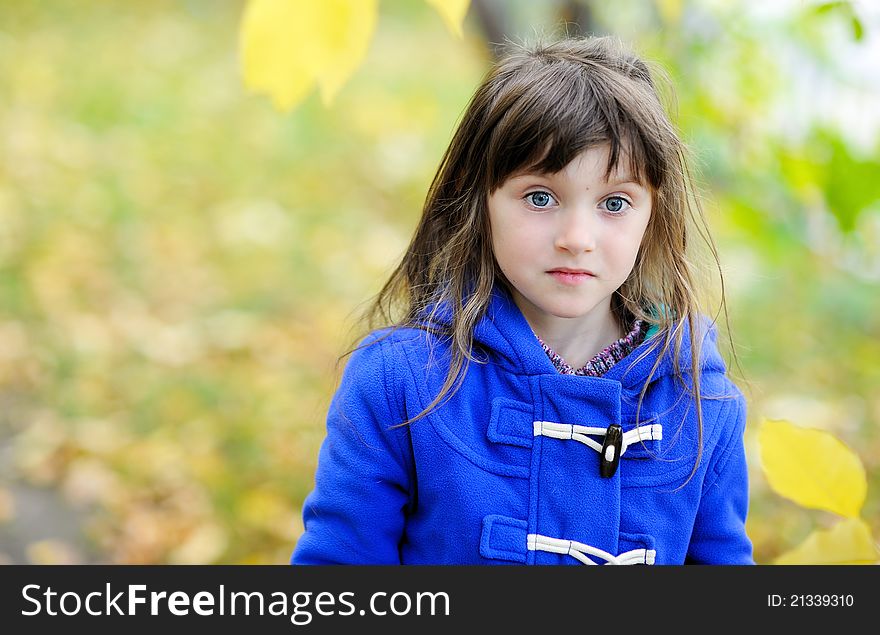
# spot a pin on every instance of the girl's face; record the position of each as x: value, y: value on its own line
x: 567, y: 241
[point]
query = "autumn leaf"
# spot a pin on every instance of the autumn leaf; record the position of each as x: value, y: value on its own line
x: 848, y: 542
x: 287, y: 46
x: 670, y: 10
x: 452, y: 12
x: 812, y: 468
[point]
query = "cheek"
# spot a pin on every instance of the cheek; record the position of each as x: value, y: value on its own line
x: 507, y: 238
x: 514, y: 253
x: 505, y: 252
x: 623, y: 247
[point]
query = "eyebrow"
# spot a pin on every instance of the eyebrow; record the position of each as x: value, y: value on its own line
x: 627, y: 180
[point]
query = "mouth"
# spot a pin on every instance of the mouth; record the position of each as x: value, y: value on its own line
x: 585, y: 272
x: 571, y: 276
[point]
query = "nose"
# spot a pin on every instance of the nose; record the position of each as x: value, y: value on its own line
x: 577, y: 230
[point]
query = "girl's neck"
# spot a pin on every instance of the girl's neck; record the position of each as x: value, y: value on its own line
x: 579, y: 340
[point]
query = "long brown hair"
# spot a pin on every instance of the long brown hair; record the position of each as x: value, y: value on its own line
x: 537, y: 108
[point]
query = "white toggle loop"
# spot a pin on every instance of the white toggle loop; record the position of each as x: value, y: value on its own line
x: 579, y: 551
x: 653, y: 432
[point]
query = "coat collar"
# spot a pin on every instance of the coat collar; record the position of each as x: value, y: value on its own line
x: 505, y: 332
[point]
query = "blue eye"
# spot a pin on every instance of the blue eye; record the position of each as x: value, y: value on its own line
x: 616, y: 204
x: 539, y: 200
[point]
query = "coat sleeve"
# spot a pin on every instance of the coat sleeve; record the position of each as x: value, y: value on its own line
x: 355, y: 513
x: 719, y: 534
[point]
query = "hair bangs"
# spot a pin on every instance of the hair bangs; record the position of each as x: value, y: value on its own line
x: 543, y: 125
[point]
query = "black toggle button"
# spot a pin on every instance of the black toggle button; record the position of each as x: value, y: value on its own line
x: 610, y: 457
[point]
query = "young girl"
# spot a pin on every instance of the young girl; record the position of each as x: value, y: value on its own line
x: 539, y: 399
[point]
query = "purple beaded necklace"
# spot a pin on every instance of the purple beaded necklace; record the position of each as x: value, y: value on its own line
x: 604, y: 360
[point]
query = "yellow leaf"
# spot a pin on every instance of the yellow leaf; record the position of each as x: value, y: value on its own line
x: 452, y: 12
x: 812, y: 468
x: 348, y: 28
x: 273, y: 59
x: 670, y: 10
x: 289, y: 45
x: 848, y: 542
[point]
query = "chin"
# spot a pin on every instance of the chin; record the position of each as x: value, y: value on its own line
x: 559, y: 307
x: 568, y: 311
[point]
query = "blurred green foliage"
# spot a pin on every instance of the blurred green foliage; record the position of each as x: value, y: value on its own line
x: 180, y: 264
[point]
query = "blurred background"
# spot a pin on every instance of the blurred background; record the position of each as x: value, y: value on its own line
x: 181, y: 264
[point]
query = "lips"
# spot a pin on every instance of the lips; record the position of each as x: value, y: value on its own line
x: 571, y: 277
x: 572, y: 271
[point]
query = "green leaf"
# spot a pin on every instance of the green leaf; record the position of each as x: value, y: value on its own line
x: 858, y: 29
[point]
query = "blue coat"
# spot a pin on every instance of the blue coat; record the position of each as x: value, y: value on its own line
x: 507, y: 470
